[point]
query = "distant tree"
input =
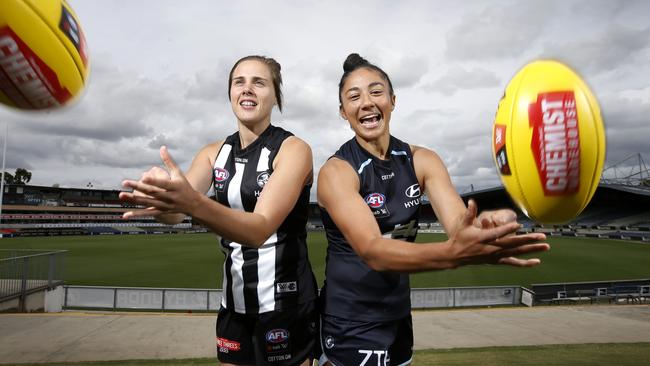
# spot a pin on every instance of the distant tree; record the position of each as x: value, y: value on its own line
x: 56, y: 185
x: 645, y: 182
x: 9, y: 178
x: 21, y: 176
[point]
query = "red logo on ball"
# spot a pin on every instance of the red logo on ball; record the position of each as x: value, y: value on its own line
x: 556, y: 142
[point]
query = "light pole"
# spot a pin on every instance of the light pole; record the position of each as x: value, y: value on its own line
x: 2, y: 178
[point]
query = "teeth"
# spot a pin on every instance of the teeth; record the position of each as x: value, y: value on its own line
x: 369, y: 118
x: 248, y: 103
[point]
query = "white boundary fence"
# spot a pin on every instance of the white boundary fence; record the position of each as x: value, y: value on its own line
x: 132, y: 298
x: 178, y: 299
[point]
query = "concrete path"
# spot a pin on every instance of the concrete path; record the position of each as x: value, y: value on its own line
x: 77, y: 336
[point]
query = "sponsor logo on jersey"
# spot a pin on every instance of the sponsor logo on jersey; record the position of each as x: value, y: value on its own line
x: 278, y: 335
x: 262, y: 178
x: 225, y: 345
x: 375, y: 200
x: 377, y: 204
x: 283, y: 287
x: 412, y: 203
x: 413, y: 191
x: 241, y: 160
x: 388, y: 176
x: 220, y: 175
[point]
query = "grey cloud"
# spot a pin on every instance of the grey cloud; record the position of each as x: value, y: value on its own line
x: 146, y: 90
x: 623, y: 143
x: 457, y: 78
x: 160, y: 140
x: 210, y: 85
x: 625, y: 113
x: 603, y: 51
x: 109, y: 130
x: 408, y: 71
x: 498, y: 31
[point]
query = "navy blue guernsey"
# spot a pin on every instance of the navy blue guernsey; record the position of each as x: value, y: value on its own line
x: 390, y: 188
x: 276, y: 275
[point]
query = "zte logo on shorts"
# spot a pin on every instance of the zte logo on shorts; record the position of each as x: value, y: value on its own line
x: 220, y: 174
x: 375, y: 200
x: 283, y: 287
x: 383, y: 358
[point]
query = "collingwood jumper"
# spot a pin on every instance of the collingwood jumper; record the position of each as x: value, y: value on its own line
x: 276, y: 275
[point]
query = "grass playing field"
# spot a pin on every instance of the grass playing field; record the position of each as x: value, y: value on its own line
x: 620, y: 354
x: 195, y: 261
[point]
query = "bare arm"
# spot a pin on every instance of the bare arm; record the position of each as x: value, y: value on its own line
x: 338, y: 186
x: 292, y: 170
x: 453, y: 215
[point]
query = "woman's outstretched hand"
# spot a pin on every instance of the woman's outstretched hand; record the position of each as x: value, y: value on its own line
x: 492, y: 238
x: 160, y: 191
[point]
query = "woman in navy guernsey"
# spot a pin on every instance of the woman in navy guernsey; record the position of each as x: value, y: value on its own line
x: 369, y: 193
x: 261, y: 176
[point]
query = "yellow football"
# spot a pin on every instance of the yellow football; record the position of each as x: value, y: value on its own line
x: 548, y: 142
x: 43, y: 56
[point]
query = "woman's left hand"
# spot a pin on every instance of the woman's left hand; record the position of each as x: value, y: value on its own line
x: 490, y: 219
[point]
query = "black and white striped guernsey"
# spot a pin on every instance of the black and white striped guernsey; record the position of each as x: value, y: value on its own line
x: 391, y: 190
x: 276, y: 275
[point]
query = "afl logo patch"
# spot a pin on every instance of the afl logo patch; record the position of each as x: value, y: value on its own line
x: 220, y: 175
x: 375, y: 200
x: 413, y: 191
x: 277, y: 335
x: 262, y: 178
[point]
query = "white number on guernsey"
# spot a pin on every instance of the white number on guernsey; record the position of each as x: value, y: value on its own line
x: 403, y: 232
x: 369, y: 353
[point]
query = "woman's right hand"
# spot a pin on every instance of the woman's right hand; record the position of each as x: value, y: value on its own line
x: 471, y: 244
x: 153, y: 191
x: 153, y: 173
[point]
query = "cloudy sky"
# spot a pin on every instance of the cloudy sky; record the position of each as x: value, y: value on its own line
x: 160, y: 68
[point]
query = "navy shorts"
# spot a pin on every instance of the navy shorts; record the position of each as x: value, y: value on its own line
x: 353, y: 343
x: 283, y: 337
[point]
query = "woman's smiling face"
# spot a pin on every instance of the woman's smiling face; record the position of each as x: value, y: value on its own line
x: 366, y: 103
x: 252, y: 96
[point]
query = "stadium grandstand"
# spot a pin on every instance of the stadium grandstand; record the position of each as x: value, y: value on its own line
x: 620, y: 209
x: 616, y: 211
x: 48, y: 211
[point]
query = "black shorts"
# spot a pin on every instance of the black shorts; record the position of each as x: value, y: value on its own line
x: 353, y: 343
x: 284, y: 337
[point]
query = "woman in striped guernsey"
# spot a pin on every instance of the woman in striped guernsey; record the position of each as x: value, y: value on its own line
x: 369, y: 193
x: 261, y: 176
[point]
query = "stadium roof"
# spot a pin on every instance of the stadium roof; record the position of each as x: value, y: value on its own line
x: 642, y: 190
